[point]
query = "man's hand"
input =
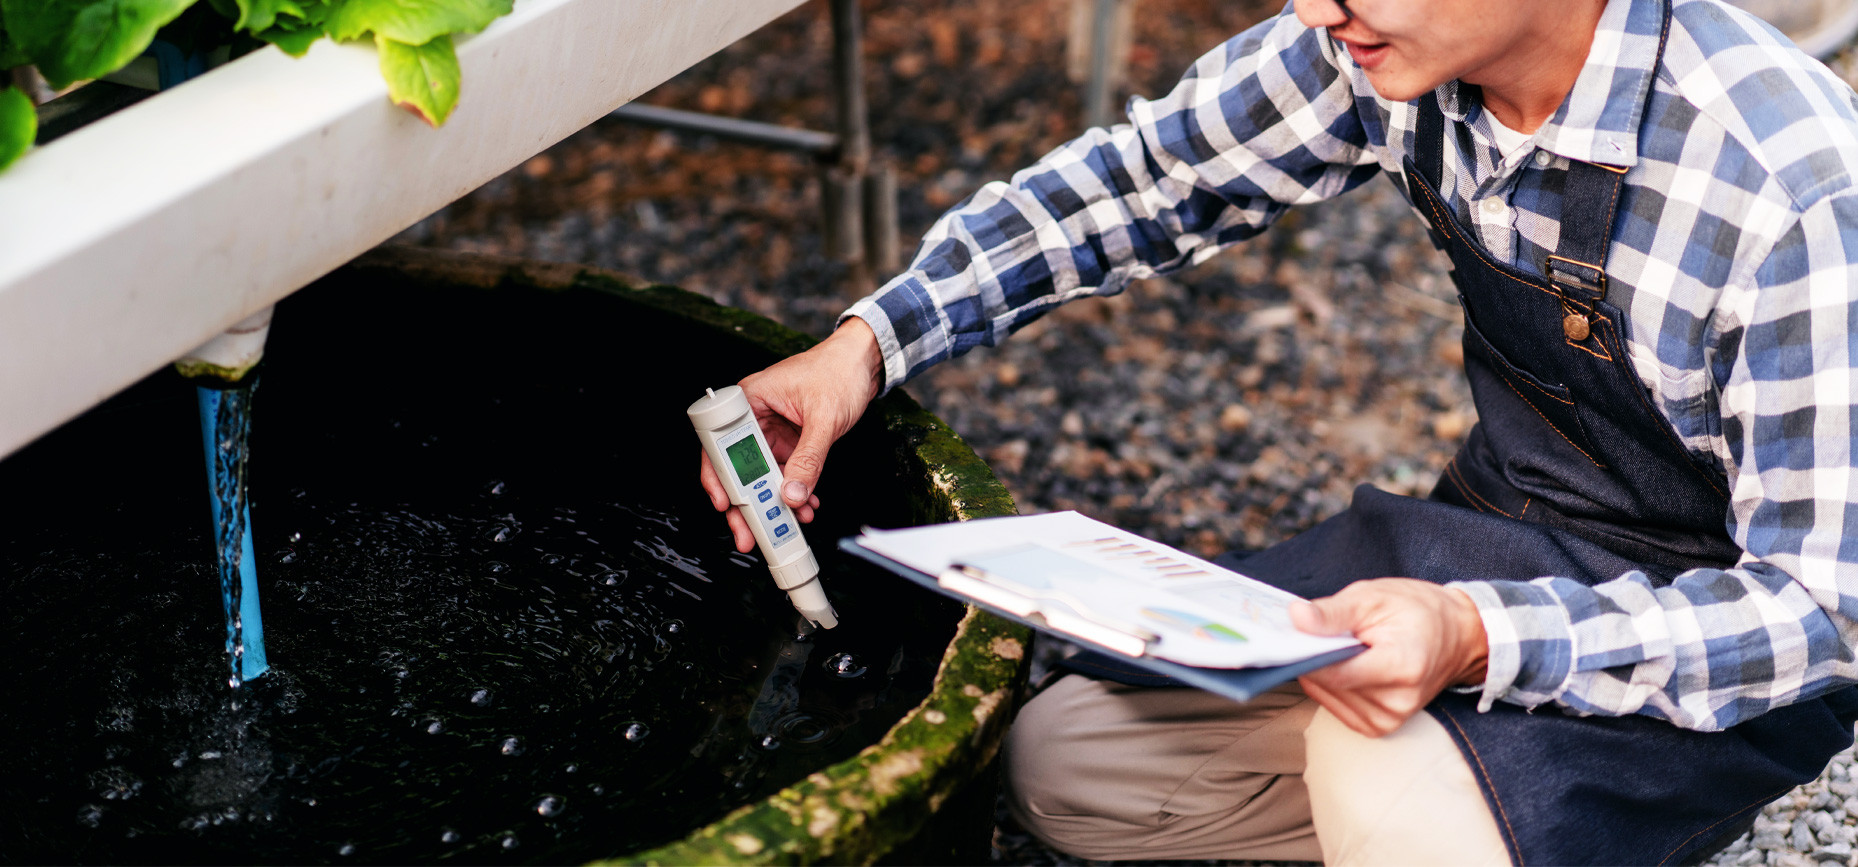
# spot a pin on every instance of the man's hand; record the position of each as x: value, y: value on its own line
x: 1421, y: 638
x: 804, y: 404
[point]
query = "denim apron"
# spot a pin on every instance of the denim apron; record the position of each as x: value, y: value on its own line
x: 1570, y: 471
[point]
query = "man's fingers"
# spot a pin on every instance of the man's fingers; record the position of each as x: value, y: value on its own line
x: 1338, y: 705
x: 738, y: 526
x: 804, y: 465
x: 1332, y: 615
x: 712, y: 485
x: 1357, y: 711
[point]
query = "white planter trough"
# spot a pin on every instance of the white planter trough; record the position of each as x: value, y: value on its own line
x: 133, y: 240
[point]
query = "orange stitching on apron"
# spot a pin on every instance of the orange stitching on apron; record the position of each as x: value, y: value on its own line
x: 1494, y: 798
x: 1602, y: 354
x: 1525, y: 511
x: 1457, y: 480
x: 1434, y: 204
x: 1777, y: 793
x: 1551, y: 425
x: 1452, y: 476
x: 1505, y: 363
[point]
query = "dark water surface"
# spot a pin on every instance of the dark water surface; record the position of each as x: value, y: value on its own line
x: 503, y: 623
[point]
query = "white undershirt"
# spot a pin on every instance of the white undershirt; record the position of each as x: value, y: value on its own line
x: 1508, y: 140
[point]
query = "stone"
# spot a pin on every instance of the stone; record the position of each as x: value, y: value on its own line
x: 1235, y: 418
x: 1840, y: 852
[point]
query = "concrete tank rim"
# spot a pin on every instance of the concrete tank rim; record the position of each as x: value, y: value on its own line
x: 859, y: 809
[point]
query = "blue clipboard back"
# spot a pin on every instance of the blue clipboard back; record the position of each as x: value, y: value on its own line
x: 1239, y: 684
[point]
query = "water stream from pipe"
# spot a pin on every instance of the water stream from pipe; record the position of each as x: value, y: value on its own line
x: 225, y: 429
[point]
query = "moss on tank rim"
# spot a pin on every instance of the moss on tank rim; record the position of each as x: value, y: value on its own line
x: 860, y: 809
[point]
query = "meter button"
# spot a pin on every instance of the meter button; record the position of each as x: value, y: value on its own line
x: 781, y: 530
x: 774, y: 513
x: 766, y: 496
x: 761, y: 484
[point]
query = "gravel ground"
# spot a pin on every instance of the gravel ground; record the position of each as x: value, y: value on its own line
x: 1231, y: 405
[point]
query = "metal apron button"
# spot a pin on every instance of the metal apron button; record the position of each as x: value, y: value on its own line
x: 1575, y: 326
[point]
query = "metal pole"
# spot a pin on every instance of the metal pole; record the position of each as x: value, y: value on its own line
x: 842, y: 183
x: 823, y: 145
x: 1097, y: 88
x: 848, y: 76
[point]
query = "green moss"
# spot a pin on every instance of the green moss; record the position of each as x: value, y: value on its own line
x: 861, y: 808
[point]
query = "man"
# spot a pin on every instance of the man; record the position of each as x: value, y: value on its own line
x: 1650, y: 211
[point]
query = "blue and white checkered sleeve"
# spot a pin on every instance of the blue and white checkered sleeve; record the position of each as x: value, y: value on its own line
x: 1262, y: 122
x: 1718, y: 647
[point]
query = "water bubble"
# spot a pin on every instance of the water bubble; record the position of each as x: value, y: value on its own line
x: 502, y: 534
x: 295, y: 538
x: 511, y: 746
x: 211, y: 754
x: 636, y: 731
x: 434, y: 727
x: 845, y: 665
x: 510, y: 842
x: 496, y: 567
x: 347, y: 850
x: 549, y: 805
x: 234, y: 681
x: 598, y: 789
x: 90, y: 816
x: 803, y: 729
x: 611, y: 579
x: 448, y: 835
x: 552, y: 559
x: 770, y: 742
x: 289, y: 557
x: 572, y: 767
x: 496, y: 488
x: 481, y: 697
x: 672, y: 627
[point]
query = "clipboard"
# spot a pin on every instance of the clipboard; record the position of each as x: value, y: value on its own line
x: 987, y: 582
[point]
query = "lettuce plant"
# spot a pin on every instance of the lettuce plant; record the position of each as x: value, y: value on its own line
x: 73, y: 40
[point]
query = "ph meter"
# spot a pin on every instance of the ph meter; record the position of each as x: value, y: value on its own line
x: 739, y: 452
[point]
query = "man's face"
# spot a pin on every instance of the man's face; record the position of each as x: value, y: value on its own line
x: 1408, y: 47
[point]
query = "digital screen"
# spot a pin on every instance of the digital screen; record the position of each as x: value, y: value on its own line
x: 745, y: 455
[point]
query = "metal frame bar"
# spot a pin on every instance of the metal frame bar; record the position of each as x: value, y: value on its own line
x: 858, y: 196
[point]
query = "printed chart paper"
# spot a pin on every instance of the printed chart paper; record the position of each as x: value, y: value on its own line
x: 1109, y: 586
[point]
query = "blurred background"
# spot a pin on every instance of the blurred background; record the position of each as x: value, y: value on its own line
x: 1226, y: 406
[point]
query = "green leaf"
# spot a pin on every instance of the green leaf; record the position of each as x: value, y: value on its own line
x: 422, y: 79
x: 296, y: 28
x: 413, y: 22
x: 77, y: 39
x: 19, y: 123
x: 10, y: 53
x: 256, y: 15
x: 294, y: 39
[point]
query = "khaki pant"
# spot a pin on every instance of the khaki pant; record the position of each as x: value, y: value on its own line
x: 1112, y: 772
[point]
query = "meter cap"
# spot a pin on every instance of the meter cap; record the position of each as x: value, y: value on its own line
x: 718, y: 408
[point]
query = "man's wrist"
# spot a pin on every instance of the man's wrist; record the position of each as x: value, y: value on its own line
x: 858, y: 343
x: 1472, y: 643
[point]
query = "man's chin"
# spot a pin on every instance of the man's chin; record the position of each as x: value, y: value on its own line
x: 1399, y: 88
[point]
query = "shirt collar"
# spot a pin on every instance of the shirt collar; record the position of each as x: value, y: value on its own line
x: 1598, y: 121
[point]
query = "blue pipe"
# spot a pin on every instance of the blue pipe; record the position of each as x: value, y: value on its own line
x: 238, y: 574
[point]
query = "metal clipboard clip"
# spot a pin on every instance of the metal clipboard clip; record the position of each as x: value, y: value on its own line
x: 1050, y: 610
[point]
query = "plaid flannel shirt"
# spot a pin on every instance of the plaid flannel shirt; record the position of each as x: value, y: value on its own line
x: 1733, y: 258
